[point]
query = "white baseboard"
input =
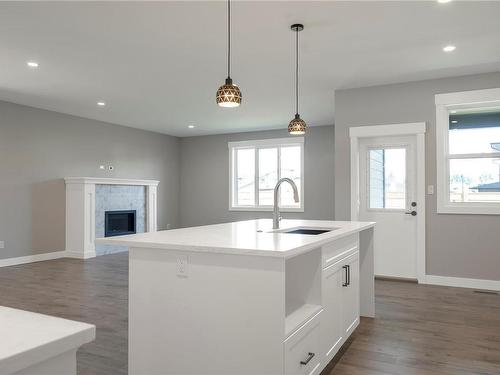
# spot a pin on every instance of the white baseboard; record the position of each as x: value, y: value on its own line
x: 32, y: 258
x: 462, y: 282
x: 79, y: 255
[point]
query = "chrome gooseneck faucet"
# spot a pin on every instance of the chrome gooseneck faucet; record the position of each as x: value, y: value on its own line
x: 276, y: 210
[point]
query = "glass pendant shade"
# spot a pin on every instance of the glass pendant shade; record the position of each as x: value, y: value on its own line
x: 297, y: 126
x: 228, y: 95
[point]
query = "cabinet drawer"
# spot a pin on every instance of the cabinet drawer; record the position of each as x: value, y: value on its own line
x: 334, y: 251
x: 302, y: 349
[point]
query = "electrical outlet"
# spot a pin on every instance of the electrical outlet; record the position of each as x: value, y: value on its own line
x: 169, y: 226
x: 2, y: 244
x: 182, y: 265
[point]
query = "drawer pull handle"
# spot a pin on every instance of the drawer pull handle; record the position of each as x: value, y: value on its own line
x: 309, y: 357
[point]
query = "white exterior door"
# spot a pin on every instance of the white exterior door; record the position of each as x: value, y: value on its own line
x: 387, y: 195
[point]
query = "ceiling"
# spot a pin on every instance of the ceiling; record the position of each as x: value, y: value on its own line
x: 157, y: 65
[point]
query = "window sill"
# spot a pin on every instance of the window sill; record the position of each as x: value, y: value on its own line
x: 266, y: 209
x: 466, y: 209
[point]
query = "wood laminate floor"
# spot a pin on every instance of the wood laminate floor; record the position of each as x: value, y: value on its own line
x: 419, y: 329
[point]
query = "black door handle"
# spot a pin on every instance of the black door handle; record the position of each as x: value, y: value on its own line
x: 348, y: 275
x: 412, y: 213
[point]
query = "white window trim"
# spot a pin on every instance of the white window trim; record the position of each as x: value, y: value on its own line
x: 445, y: 103
x: 274, y: 142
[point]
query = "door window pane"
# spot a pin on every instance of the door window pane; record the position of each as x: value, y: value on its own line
x: 245, y: 177
x: 387, y: 178
x: 475, y: 180
x: 268, y: 174
x: 290, y: 166
x: 377, y: 180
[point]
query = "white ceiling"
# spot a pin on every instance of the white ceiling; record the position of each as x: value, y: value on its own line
x: 158, y: 65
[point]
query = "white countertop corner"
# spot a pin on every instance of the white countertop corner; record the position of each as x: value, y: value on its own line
x: 27, y: 338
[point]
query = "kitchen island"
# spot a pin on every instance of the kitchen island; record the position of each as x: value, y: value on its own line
x: 242, y: 298
x: 36, y: 344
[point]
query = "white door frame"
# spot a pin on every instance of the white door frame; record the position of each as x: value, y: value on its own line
x: 417, y: 129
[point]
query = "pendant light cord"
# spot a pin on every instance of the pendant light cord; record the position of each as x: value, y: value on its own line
x: 228, y: 38
x: 297, y: 70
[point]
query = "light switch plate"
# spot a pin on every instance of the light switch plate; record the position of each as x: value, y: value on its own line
x: 2, y: 244
x: 430, y: 189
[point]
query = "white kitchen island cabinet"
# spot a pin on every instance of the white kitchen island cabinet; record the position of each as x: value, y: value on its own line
x: 240, y: 298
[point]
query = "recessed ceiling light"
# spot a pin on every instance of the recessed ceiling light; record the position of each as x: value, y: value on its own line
x: 191, y: 126
x: 449, y: 48
x: 32, y: 64
x: 454, y: 121
x: 444, y: 1
x: 101, y: 104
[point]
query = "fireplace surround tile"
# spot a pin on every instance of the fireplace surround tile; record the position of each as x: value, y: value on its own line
x: 114, y: 198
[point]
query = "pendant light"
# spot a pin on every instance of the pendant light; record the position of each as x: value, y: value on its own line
x: 228, y: 95
x: 297, y: 126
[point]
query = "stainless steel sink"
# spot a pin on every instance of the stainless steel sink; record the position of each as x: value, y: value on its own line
x: 305, y: 230
x: 309, y: 231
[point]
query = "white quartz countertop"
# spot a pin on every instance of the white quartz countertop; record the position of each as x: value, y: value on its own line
x: 28, y: 338
x: 253, y: 237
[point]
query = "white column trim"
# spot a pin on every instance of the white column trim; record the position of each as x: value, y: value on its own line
x: 152, y: 215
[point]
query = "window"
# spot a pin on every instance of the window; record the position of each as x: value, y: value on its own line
x: 468, y: 152
x: 256, y: 167
x: 387, y: 178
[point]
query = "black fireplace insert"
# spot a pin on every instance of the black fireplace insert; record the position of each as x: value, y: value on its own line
x: 119, y: 223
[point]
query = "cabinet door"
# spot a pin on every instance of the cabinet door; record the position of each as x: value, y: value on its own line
x: 350, y: 294
x: 332, y: 324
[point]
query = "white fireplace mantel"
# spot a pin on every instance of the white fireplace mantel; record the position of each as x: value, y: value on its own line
x: 80, y: 211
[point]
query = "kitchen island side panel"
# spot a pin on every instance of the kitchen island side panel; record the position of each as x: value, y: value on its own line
x: 224, y: 315
x: 367, y: 273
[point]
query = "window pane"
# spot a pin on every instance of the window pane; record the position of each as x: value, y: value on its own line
x: 387, y: 175
x: 377, y: 181
x: 474, y: 132
x: 475, y: 180
x: 268, y: 174
x: 290, y: 166
x: 245, y: 177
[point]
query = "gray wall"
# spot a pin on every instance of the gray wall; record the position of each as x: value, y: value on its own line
x: 457, y: 245
x: 39, y: 148
x: 205, y: 176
